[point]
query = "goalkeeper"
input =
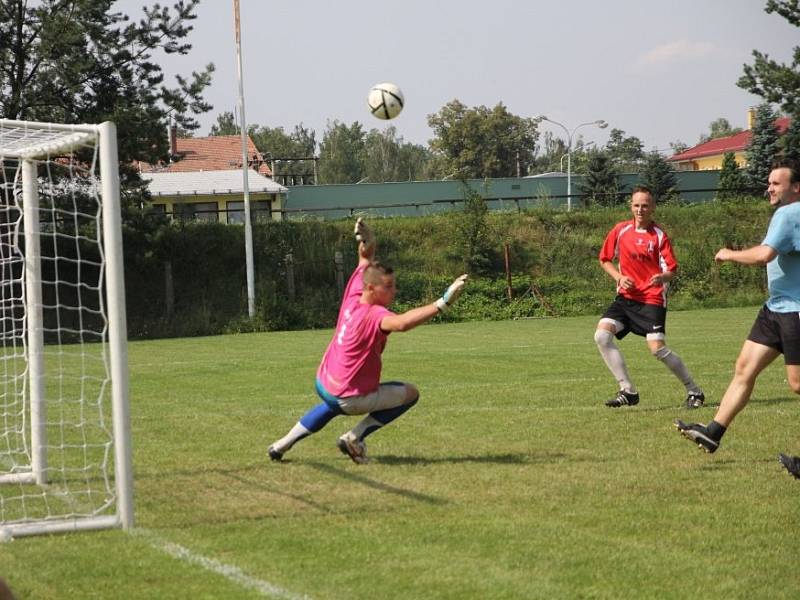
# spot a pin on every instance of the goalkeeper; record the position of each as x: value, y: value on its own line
x: 348, y: 378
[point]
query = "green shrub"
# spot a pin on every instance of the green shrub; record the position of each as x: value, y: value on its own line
x: 553, y: 261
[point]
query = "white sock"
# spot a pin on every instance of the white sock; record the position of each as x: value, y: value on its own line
x: 675, y: 364
x: 297, y: 432
x: 614, y: 359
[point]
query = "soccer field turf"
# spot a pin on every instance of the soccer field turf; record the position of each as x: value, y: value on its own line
x: 509, y: 479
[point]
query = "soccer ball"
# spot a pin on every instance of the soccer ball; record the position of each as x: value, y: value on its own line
x: 385, y: 100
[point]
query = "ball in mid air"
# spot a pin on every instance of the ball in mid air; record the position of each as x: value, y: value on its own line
x: 385, y: 100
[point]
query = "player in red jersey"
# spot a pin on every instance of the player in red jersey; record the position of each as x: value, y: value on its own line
x: 645, y: 266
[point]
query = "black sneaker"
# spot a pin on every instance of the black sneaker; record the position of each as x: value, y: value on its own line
x: 274, y: 454
x: 695, y: 400
x: 623, y: 398
x: 792, y: 464
x: 698, y: 434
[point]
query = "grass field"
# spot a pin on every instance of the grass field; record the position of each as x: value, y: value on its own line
x: 509, y: 479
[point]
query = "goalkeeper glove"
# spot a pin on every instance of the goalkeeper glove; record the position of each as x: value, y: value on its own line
x: 363, y: 232
x: 451, y: 294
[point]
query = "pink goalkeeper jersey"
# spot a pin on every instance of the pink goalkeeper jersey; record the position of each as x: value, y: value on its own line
x: 352, y: 363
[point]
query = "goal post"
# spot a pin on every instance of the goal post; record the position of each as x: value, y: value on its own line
x: 65, y: 439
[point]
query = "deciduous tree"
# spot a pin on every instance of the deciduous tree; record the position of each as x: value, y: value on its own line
x: 387, y: 157
x: 291, y: 155
x: 342, y: 153
x: 626, y: 152
x: 481, y: 142
x: 719, y: 128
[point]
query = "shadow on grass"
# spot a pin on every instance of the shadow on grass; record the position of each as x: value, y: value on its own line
x: 256, y: 484
x: 516, y: 458
x: 707, y: 405
x: 377, y: 485
x: 772, y: 401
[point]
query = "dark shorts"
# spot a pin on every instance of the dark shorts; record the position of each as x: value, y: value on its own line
x: 637, y: 318
x: 780, y: 331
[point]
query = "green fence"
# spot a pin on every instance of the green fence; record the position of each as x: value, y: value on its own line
x: 419, y: 198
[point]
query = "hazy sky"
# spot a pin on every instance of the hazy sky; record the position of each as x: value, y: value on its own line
x: 660, y: 70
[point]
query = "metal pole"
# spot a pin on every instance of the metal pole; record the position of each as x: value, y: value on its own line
x: 117, y: 321
x: 509, y: 288
x: 35, y: 324
x: 600, y: 123
x: 248, y: 226
x: 569, y: 172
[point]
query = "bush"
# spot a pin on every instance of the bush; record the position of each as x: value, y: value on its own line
x: 553, y: 258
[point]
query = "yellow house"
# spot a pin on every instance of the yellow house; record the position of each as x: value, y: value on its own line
x: 215, y: 196
x: 709, y: 155
x: 203, y: 181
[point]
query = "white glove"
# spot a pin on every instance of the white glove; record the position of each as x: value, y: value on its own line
x: 363, y: 232
x: 451, y: 294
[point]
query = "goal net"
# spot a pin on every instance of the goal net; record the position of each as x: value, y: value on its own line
x: 65, y: 453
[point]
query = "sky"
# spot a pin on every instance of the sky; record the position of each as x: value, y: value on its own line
x: 659, y: 70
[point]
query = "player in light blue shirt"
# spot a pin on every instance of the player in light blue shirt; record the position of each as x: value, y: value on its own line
x: 783, y: 273
x: 777, y: 327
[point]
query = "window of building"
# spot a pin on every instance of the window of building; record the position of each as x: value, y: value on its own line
x: 207, y: 212
x: 260, y: 211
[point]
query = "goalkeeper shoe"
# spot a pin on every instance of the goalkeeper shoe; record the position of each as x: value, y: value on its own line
x: 623, y: 398
x: 698, y: 434
x: 695, y: 400
x: 274, y: 454
x: 792, y: 464
x: 351, y: 446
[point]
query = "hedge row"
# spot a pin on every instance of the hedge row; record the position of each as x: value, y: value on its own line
x: 552, y: 256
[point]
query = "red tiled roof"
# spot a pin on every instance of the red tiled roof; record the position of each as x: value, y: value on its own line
x: 214, y: 153
x: 731, y: 143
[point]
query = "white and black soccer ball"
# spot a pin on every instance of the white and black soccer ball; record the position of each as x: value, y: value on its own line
x: 385, y: 101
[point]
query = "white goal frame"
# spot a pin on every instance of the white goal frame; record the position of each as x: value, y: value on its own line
x: 29, y: 143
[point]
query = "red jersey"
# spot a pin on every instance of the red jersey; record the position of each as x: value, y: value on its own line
x: 640, y: 255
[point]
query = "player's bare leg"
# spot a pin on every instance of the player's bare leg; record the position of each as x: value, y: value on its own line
x: 753, y: 358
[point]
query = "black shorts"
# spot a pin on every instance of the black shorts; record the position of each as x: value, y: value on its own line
x: 780, y: 331
x: 637, y: 317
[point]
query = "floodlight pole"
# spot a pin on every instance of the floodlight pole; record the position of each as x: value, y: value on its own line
x: 248, y: 226
x: 600, y: 123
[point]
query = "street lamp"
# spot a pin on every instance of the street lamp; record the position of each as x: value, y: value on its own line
x: 600, y: 123
x: 563, y: 156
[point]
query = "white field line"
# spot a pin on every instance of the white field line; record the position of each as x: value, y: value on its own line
x: 234, y: 574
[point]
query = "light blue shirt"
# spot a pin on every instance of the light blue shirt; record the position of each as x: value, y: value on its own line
x: 783, y: 272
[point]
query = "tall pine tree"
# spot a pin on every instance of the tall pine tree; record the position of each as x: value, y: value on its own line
x: 790, y: 140
x: 763, y: 147
x: 84, y: 62
x: 658, y: 175
x: 731, y: 179
x: 776, y: 82
x: 600, y: 185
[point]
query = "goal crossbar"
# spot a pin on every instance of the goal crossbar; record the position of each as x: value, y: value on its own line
x: 29, y: 139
